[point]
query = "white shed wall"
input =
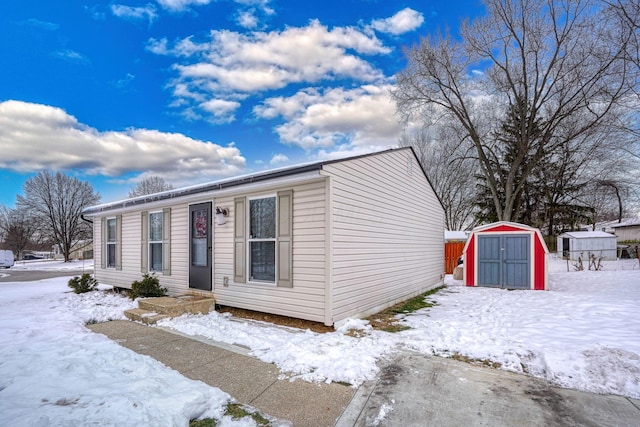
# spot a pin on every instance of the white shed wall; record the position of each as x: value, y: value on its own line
x: 387, y: 233
x: 605, y: 247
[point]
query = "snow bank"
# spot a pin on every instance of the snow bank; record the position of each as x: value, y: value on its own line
x: 54, y: 371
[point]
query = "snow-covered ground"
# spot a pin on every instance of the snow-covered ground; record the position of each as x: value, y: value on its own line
x: 583, y: 333
x: 56, y: 372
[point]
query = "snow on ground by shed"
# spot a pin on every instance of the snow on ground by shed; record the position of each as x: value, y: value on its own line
x: 583, y: 333
x: 54, y: 371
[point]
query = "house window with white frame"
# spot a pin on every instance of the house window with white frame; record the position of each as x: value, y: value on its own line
x: 155, y: 241
x: 111, y: 242
x: 262, y: 239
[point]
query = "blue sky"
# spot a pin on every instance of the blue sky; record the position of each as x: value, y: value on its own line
x: 197, y: 90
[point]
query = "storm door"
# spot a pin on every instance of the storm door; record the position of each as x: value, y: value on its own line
x: 200, y: 246
x: 504, y: 261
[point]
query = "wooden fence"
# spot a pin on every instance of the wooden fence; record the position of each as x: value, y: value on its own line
x: 452, y: 251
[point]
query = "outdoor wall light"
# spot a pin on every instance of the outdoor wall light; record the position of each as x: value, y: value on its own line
x: 220, y: 214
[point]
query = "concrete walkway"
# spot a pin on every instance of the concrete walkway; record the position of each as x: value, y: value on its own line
x: 411, y: 389
x: 247, y: 379
x: 417, y: 390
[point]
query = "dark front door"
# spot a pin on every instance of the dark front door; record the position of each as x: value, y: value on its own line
x: 200, y: 246
x: 504, y: 261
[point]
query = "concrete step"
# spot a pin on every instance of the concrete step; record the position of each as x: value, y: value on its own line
x: 176, y: 306
x: 144, y: 316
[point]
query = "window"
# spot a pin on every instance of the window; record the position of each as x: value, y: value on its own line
x: 262, y: 239
x: 155, y: 241
x: 111, y: 243
x: 155, y: 237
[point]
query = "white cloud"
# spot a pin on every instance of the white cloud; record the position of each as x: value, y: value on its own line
x: 247, y: 19
x: 147, y: 12
x: 44, y: 25
x: 221, y: 110
x: 363, y: 117
x: 35, y: 137
x: 180, y: 5
x: 402, y: 22
x: 232, y: 65
x: 278, y: 159
x: 70, y: 55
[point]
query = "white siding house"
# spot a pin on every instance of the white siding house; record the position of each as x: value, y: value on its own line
x: 322, y: 241
x: 628, y: 231
x: 575, y: 244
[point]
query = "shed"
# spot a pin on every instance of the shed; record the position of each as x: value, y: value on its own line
x: 506, y: 255
x: 321, y: 241
x: 575, y: 244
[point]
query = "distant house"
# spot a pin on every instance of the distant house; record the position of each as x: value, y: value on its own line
x: 580, y: 244
x: 322, y: 241
x: 628, y: 231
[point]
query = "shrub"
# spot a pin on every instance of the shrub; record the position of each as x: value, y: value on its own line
x: 149, y: 286
x: 83, y: 284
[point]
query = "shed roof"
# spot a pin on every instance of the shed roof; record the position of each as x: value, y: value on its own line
x: 586, y: 234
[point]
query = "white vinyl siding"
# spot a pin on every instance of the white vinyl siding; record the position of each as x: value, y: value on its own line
x: 363, y: 234
x: 387, y: 233
x: 305, y: 299
x: 177, y: 281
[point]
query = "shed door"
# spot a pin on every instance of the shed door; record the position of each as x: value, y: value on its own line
x: 200, y: 246
x: 504, y: 261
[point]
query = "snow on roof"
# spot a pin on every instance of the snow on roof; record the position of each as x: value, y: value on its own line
x: 627, y: 223
x: 586, y: 234
x: 454, y: 235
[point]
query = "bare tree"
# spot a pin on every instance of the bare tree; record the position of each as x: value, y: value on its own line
x: 546, y: 63
x: 57, y: 201
x: 451, y: 173
x: 18, y: 229
x: 150, y: 185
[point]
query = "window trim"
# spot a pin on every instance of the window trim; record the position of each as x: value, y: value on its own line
x: 109, y: 243
x: 250, y: 240
x: 104, y: 246
x: 145, y: 231
x: 155, y: 242
x: 284, y: 240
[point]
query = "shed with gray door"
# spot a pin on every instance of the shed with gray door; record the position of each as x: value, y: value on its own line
x: 321, y: 241
x: 583, y: 244
x: 506, y: 255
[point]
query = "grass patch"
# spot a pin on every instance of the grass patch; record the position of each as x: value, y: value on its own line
x: 237, y: 411
x: 207, y: 422
x: 482, y: 362
x: 387, y: 320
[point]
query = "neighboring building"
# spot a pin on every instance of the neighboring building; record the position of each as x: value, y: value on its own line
x: 322, y: 241
x: 580, y: 244
x: 506, y: 255
x: 628, y: 231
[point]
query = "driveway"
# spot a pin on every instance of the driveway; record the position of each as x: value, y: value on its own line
x: 416, y: 390
x: 11, y: 275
